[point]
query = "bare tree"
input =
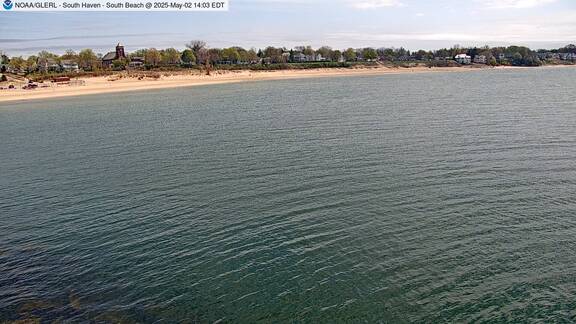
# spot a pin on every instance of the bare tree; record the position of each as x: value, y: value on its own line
x: 203, y: 57
x: 196, y: 46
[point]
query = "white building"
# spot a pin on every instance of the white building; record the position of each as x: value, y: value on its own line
x: 480, y: 59
x: 463, y: 59
x: 299, y: 57
x: 69, y: 66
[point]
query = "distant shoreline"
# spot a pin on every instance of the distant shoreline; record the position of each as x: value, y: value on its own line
x: 122, y: 82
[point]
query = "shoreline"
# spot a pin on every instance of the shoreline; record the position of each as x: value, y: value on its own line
x: 122, y: 83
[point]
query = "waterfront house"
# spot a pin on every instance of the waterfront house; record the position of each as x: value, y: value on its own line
x: 480, y: 59
x: 405, y: 58
x: 113, y: 56
x: 549, y: 56
x: 463, y: 58
x: 69, y: 66
x: 48, y: 65
x: 136, y: 62
x: 298, y: 57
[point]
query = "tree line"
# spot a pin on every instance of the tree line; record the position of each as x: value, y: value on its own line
x: 198, y: 53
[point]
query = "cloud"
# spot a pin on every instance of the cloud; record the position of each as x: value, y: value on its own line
x: 80, y: 37
x: 517, y: 4
x: 371, y: 4
x: 557, y: 27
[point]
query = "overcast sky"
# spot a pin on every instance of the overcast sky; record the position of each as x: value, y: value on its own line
x: 412, y: 24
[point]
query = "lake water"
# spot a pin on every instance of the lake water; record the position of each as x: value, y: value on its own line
x: 398, y: 198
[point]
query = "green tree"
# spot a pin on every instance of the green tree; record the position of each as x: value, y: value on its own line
x: 369, y: 54
x: 152, y: 57
x: 492, y: 61
x: 349, y: 55
x: 118, y: 65
x: 32, y: 63
x: 422, y: 55
x: 170, y: 56
x: 231, y: 54
x: 87, y: 59
x: 242, y: 54
x: 188, y: 57
x: 517, y: 59
x: 335, y: 56
x: 532, y: 61
x: 252, y: 56
x: 3, y: 58
x: 17, y: 63
x: 138, y: 53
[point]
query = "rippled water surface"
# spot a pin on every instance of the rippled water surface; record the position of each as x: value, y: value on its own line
x: 397, y: 198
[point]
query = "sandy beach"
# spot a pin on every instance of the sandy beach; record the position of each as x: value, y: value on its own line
x: 123, y: 82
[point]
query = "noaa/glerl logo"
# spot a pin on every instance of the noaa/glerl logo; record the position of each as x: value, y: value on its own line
x: 8, y: 4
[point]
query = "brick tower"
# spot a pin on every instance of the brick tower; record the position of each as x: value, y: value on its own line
x: 120, y: 51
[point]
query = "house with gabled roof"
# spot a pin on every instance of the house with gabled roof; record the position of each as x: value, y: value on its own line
x: 463, y: 59
x: 48, y: 65
x: 113, y: 56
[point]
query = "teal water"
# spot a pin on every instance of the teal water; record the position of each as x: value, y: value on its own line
x: 447, y: 197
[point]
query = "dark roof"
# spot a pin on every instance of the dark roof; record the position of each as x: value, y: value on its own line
x: 109, y: 57
x: 49, y: 61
